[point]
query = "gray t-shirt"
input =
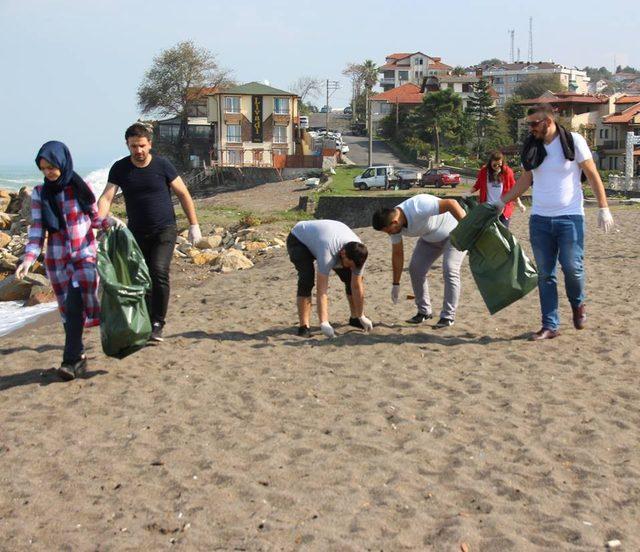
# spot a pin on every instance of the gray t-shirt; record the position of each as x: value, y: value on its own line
x: 424, y: 219
x: 325, y: 239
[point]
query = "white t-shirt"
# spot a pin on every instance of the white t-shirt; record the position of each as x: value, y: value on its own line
x: 557, y: 189
x: 424, y: 219
x: 494, y: 189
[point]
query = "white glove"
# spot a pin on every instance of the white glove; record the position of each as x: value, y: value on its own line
x: 605, y: 220
x: 23, y: 269
x: 327, y: 330
x: 115, y: 222
x: 194, y: 234
x: 395, y: 293
x: 367, y: 325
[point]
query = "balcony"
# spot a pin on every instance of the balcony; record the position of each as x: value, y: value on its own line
x: 613, y: 144
x: 387, y: 80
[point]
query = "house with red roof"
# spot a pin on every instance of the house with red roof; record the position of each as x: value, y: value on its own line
x: 613, y: 131
x: 403, y: 68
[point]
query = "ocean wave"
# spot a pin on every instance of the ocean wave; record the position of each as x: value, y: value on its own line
x: 20, y: 180
x: 13, y: 315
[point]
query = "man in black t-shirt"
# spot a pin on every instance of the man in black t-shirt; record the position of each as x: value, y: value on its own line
x: 146, y: 182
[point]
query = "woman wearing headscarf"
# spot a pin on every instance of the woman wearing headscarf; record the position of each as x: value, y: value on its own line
x: 64, y: 211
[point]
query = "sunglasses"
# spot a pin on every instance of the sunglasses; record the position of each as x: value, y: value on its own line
x: 535, y: 123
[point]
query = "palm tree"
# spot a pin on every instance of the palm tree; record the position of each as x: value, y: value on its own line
x: 369, y: 74
x: 438, y: 109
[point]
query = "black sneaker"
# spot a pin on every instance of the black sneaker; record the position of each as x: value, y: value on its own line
x: 304, y: 331
x: 419, y: 318
x: 355, y: 322
x: 71, y: 370
x: 156, y: 332
x: 444, y: 323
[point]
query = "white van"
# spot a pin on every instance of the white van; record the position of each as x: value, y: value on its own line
x: 304, y: 121
x: 376, y: 176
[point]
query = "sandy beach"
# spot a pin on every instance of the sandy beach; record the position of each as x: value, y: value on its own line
x: 235, y: 434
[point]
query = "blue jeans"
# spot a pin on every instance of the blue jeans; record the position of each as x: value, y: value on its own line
x: 552, y: 239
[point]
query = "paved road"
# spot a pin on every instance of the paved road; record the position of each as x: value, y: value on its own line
x: 382, y: 155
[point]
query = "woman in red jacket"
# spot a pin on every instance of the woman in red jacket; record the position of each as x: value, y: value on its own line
x: 495, y: 179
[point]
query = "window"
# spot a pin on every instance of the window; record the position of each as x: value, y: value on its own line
x: 381, y: 172
x: 198, y: 131
x: 234, y: 134
x: 279, y: 134
x: 281, y: 106
x: 234, y: 157
x: 232, y: 104
x: 368, y: 173
x: 419, y: 61
x: 403, y: 75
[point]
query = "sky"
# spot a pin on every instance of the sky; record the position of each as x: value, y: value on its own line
x: 70, y: 69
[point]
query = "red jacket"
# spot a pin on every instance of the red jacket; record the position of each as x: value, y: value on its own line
x: 508, y: 180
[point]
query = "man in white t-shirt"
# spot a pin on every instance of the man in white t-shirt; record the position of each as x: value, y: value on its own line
x: 431, y: 219
x: 556, y: 226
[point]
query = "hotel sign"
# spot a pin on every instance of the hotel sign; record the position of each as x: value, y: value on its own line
x: 256, y: 119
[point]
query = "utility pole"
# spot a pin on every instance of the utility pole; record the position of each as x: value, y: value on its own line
x: 530, y: 39
x: 332, y: 86
x: 512, y: 33
x: 370, y: 133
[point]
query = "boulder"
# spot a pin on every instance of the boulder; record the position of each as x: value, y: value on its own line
x: 39, y: 295
x: 180, y: 240
x: 255, y: 245
x: 5, y: 239
x: 8, y: 262
x: 205, y: 257
x: 12, y: 289
x: 231, y: 260
x: 209, y: 242
x: 5, y: 221
x: 219, y: 231
x: 5, y: 200
x: 278, y: 241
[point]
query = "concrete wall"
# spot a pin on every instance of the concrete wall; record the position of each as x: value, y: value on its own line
x: 355, y: 212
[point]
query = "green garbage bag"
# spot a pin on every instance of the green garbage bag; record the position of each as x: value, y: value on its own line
x: 500, y: 268
x: 125, y: 326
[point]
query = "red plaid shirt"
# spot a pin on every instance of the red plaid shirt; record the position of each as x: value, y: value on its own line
x: 70, y: 258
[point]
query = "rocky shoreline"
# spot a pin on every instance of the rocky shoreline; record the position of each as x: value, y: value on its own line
x: 221, y: 249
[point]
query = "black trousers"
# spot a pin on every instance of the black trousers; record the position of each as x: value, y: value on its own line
x: 303, y: 259
x: 157, y: 249
x: 73, y: 327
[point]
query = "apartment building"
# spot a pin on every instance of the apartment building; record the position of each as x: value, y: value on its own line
x: 612, y: 134
x: 254, y: 125
x: 403, y: 68
x: 506, y: 77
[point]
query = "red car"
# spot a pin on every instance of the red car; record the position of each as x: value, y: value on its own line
x: 439, y: 178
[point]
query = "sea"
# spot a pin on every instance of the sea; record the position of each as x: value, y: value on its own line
x: 13, y: 177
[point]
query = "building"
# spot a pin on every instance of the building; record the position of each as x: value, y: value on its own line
x: 200, y: 138
x: 508, y: 76
x: 460, y: 84
x: 403, y: 68
x: 383, y: 104
x: 612, y: 134
x: 255, y: 125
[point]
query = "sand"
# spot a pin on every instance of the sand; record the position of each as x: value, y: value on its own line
x: 236, y: 435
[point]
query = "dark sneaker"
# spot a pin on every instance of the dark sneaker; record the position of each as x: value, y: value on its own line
x: 444, y: 323
x: 71, y: 370
x: 355, y: 322
x: 304, y: 331
x: 156, y: 333
x: 419, y: 318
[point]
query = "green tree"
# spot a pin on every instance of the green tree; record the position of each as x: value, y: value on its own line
x: 536, y: 85
x: 177, y: 76
x: 482, y: 110
x: 458, y: 71
x: 492, y: 61
x: 437, y: 112
x: 596, y: 74
x: 513, y: 111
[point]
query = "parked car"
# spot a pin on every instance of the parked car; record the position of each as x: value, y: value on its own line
x: 439, y: 178
x: 348, y: 110
x: 405, y: 178
x: 376, y: 176
x: 324, y: 109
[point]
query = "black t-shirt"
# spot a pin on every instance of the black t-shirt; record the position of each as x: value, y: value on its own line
x: 146, y: 191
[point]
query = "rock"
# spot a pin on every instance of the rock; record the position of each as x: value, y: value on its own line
x: 255, y: 245
x: 278, y: 241
x: 209, y: 242
x: 219, y: 231
x: 184, y: 247
x: 205, y: 257
x: 39, y: 295
x: 615, y: 543
x: 5, y: 200
x: 38, y: 268
x: 5, y: 239
x: 12, y: 289
x: 8, y: 261
x: 5, y: 221
x: 180, y: 240
x: 36, y: 280
x: 231, y: 260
